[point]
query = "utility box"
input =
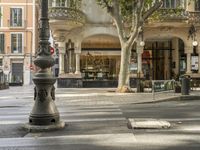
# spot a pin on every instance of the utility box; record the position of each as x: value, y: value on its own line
x: 185, y: 85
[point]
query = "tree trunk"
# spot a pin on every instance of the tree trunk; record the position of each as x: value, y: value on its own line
x: 123, y: 82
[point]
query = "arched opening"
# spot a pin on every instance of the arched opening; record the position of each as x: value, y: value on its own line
x: 163, y: 58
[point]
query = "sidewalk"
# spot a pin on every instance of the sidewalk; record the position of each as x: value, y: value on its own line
x: 109, y: 94
x: 100, y: 94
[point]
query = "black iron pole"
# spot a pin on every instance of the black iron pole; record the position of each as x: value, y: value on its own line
x: 44, y: 115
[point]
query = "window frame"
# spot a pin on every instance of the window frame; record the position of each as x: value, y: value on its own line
x: 22, y: 17
x: 197, y: 5
x: 3, y: 45
x: 173, y: 4
x: 1, y: 62
x: 22, y: 43
x: 1, y: 17
x: 59, y: 3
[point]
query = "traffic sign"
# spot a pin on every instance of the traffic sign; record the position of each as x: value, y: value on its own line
x: 52, y: 50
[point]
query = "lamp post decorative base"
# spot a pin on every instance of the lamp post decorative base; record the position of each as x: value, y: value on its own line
x: 44, y: 115
x: 43, y: 128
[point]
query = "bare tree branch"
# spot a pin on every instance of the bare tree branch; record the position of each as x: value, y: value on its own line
x: 138, y: 19
x: 134, y: 15
x: 150, y: 11
x: 118, y: 20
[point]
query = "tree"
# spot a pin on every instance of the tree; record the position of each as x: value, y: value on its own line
x: 129, y: 17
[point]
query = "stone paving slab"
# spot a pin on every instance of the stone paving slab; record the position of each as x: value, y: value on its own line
x: 142, y: 123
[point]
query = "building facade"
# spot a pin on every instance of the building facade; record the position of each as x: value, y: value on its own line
x: 18, y: 39
x: 89, y: 48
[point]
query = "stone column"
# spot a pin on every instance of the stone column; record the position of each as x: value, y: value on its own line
x: 61, y: 47
x: 188, y: 71
x: 198, y: 50
x: 70, y: 61
x: 175, y: 54
x: 199, y: 63
x: 78, y: 68
x: 139, y: 59
x: 78, y: 52
x: 188, y: 52
x: 167, y: 65
x: 61, y: 63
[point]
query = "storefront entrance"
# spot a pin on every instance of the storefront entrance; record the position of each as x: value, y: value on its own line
x: 17, y: 74
x: 157, y: 61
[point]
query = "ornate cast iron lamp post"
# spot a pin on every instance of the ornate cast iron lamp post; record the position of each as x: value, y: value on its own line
x: 44, y: 115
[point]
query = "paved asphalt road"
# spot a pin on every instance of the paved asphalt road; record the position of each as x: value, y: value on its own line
x: 97, y: 121
x: 184, y: 117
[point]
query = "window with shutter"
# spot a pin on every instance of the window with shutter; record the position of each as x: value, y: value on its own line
x: 16, y: 17
x: 16, y: 43
x: 2, y: 43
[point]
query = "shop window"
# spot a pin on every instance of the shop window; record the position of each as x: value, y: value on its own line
x: 16, y: 17
x: 194, y: 63
x: 2, y: 43
x: 99, y: 67
x: 17, y: 73
x: 16, y: 43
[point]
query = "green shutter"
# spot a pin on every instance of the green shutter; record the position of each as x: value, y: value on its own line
x: 2, y: 43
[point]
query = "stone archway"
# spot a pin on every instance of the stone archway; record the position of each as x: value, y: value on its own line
x: 100, y: 58
x: 167, y: 58
x: 101, y: 41
x: 94, y: 31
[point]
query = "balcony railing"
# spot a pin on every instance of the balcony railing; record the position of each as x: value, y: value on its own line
x: 194, y: 17
x: 165, y: 15
x: 65, y: 13
x: 75, y: 4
